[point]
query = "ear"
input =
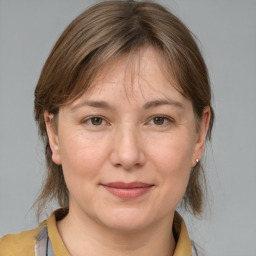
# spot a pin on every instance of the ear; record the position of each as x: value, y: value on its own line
x: 201, y: 135
x: 53, y: 137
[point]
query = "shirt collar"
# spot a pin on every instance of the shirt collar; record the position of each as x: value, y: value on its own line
x: 183, y: 243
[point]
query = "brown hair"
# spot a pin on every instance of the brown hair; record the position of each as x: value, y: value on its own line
x: 99, y: 34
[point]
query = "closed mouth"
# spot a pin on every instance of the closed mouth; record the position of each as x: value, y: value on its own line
x: 128, y: 190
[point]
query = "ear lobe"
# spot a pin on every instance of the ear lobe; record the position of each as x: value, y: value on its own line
x: 201, y: 135
x: 53, y: 137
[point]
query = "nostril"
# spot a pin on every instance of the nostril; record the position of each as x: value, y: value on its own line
x: 127, y: 159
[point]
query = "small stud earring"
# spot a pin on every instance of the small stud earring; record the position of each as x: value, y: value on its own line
x: 197, y: 161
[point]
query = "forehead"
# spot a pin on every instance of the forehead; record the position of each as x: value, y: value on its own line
x: 141, y: 74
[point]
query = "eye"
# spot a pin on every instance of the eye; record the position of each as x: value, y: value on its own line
x: 160, y: 120
x: 95, y: 121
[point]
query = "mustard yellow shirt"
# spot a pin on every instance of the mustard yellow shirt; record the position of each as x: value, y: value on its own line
x: 23, y: 243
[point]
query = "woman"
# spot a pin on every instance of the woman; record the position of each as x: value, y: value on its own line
x: 123, y: 105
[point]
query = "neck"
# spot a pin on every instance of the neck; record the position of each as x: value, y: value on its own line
x: 84, y: 235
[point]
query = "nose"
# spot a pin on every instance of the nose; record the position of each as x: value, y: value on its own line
x: 127, y: 149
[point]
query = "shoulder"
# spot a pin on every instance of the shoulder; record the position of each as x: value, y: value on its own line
x: 22, y: 243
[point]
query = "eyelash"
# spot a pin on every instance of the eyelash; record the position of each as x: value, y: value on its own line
x: 167, y: 120
x: 89, y: 119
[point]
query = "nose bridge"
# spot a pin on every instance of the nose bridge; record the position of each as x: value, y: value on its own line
x: 127, y: 149
x: 129, y: 138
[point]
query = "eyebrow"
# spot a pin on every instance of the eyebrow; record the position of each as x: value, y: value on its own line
x: 147, y: 105
x: 157, y: 103
x: 95, y: 104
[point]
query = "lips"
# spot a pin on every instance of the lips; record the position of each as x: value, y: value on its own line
x: 127, y: 190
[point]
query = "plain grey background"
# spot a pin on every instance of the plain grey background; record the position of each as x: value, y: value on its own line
x: 227, y: 32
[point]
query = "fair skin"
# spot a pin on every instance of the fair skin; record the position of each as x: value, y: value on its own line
x: 132, y: 125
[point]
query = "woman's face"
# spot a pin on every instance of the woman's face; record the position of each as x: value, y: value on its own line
x: 127, y: 145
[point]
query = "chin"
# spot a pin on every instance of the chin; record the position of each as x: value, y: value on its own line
x: 126, y: 220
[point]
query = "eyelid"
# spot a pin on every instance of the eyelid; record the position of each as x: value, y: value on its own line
x: 168, y: 118
x: 87, y: 119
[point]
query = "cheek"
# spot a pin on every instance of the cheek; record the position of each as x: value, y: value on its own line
x: 82, y: 159
x: 172, y: 158
x: 173, y: 153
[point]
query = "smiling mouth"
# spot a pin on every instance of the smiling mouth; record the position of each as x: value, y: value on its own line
x: 127, y: 190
